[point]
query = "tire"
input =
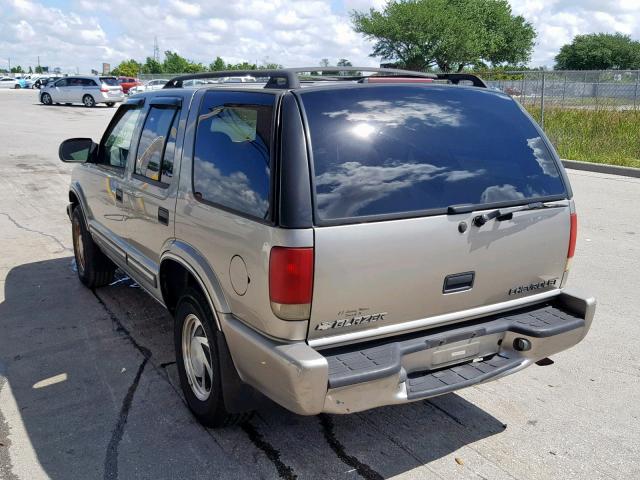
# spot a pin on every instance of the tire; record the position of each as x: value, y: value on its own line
x: 193, y: 319
x: 94, y: 267
x: 45, y: 98
x: 88, y: 101
x: 16, y: 87
x: 67, y: 103
x: 110, y: 104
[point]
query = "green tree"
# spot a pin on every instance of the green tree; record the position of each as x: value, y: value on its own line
x: 17, y: 69
x: 324, y: 62
x: 242, y: 66
x: 151, y: 65
x: 343, y: 62
x: 447, y: 34
x: 30, y: 69
x: 217, y: 65
x: 599, y: 51
x: 127, y: 68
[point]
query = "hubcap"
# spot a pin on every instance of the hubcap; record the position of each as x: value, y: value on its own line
x: 87, y: 101
x: 196, y: 354
x: 78, y: 247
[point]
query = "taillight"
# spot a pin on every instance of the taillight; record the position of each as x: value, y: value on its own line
x: 104, y: 89
x: 291, y: 282
x: 573, y: 235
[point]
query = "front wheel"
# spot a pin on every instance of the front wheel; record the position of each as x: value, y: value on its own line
x: 94, y: 267
x: 198, y: 361
x: 88, y: 101
x: 46, y: 99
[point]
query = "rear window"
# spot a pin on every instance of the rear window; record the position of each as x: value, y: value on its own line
x: 111, y: 81
x: 390, y: 150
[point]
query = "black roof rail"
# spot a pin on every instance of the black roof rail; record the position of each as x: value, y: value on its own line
x: 288, y: 78
x: 456, y: 78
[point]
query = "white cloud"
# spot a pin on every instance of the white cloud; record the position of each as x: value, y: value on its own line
x: 85, y: 33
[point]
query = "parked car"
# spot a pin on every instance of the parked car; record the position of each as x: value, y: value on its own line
x: 8, y: 82
x: 88, y: 90
x: 149, y: 86
x: 334, y: 248
x: 127, y: 83
x: 24, y: 82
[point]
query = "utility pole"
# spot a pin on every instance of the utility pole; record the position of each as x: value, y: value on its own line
x: 9, y: 59
x: 156, y: 49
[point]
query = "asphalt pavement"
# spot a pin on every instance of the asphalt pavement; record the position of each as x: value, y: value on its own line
x: 89, y: 390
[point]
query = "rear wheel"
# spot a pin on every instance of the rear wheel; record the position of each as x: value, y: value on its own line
x: 94, y: 267
x: 46, y: 99
x: 197, y: 358
x: 88, y: 101
x: 16, y: 86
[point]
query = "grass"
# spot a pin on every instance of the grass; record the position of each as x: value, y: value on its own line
x: 597, y: 135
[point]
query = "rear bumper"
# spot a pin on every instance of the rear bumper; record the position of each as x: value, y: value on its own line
x: 406, y: 368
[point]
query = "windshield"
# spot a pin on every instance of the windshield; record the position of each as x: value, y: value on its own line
x: 111, y: 81
x: 387, y: 150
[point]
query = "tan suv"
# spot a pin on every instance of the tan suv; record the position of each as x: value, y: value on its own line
x: 334, y: 242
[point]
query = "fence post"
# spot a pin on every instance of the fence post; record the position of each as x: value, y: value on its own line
x: 542, y: 103
x: 635, y: 96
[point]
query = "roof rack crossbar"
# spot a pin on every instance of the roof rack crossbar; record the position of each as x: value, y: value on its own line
x: 289, y: 78
x: 456, y: 78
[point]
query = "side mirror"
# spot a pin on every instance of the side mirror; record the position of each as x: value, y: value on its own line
x: 76, y: 150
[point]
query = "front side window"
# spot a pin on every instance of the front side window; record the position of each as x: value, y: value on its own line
x: 157, y: 145
x: 118, y: 142
x: 61, y: 83
x: 231, y: 166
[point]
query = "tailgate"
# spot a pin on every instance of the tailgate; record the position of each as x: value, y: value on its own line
x: 400, y: 172
x: 379, y: 274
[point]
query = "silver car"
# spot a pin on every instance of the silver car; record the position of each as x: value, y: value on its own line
x: 8, y: 82
x: 334, y: 243
x: 149, y: 86
x: 88, y: 90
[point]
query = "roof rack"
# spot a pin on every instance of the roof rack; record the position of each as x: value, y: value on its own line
x: 289, y: 78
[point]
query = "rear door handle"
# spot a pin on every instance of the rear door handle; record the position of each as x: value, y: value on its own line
x: 163, y: 216
x: 458, y: 282
x: 118, y: 194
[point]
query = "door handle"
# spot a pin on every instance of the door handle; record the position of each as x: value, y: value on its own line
x: 118, y: 195
x: 163, y: 216
x: 458, y: 282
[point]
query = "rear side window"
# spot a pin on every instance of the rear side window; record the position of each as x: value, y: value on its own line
x: 111, y: 81
x: 232, y: 166
x: 397, y: 149
x: 87, y: 82
x: 157, y: 145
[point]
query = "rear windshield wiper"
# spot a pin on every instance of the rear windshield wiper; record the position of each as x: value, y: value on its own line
x: 507, y: 214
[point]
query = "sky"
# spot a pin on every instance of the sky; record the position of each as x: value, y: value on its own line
x: 81, y: 34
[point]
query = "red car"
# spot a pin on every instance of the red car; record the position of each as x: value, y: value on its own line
x: 127, y: 82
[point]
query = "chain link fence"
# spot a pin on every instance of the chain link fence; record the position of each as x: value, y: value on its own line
x: 543, y: 90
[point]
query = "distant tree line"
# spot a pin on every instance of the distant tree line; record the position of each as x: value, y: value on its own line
x: 175, y: 63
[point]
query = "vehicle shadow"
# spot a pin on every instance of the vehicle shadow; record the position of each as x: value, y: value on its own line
x: 91, y: 378
x: 73, y: 105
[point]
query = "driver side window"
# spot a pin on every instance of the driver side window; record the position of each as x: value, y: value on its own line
x: 115, y: 150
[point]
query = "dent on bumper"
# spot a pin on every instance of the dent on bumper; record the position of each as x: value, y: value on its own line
x: 305, y: 381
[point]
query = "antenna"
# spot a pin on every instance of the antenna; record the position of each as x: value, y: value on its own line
x: 156, y: 49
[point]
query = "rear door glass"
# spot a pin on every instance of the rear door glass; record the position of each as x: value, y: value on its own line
x: 397, y: 149
x: 232, y: 161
